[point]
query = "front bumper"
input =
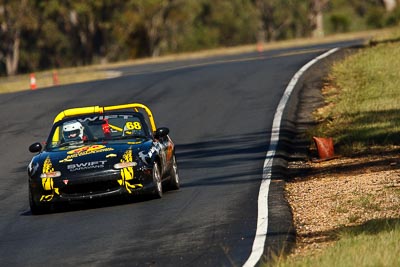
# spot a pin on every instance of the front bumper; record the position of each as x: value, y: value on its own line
x: 91, y: 185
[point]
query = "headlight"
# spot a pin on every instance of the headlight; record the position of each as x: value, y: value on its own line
x: 50, y: 174
x: 122, y: 165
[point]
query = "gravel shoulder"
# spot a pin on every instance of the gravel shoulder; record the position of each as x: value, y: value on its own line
x: 329, y: 196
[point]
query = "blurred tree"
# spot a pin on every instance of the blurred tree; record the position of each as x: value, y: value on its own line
x: 15, y: 17
x: 394, y: 17
x: 143, y: 26
x: 157, y: 27
x: 282, y: 19
x: 90, y: 22
x: 234, y: 21
x: 53, y: 40
x: 153, y: 14
x: 316, y: 17
x: 75, y: 32
x: 182, y: 27
x: 390, y: 5
x: 37, y: 34
x: 340, y: 22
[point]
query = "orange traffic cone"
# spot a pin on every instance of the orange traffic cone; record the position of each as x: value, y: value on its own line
x: 33, y: 81
x: 55, y: 78
x: 324, y: 147
x: 260, y: 47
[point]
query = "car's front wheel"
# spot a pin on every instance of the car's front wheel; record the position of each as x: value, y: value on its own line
x: 36, y: 208
x: 158, y: 192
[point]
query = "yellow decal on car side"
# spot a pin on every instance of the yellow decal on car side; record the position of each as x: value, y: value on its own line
x: 134, y: 143
x: 127, y: 174
x: 48, y: 183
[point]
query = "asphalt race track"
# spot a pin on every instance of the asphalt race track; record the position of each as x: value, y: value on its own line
x: 220, y: 113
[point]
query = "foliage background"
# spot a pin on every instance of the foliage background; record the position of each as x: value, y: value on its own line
x: 37, y: 34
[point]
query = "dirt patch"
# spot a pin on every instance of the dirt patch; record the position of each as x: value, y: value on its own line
x: 343, y: 192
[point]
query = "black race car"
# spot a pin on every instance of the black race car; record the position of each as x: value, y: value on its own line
x: 95, y: 152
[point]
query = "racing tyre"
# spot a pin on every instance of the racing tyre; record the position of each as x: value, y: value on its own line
x: 37, y: 209
x: 157, y: 181
x: 174, y: 179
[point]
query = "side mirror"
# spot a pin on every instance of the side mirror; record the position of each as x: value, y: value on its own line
x: 161, y: 132
x: 36, y: 147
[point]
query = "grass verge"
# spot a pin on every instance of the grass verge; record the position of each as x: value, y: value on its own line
x: 362, y: 111
x: 375, y: 243
x: 362, y: 114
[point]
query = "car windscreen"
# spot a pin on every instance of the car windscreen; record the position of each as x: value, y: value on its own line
x: 95, y: 128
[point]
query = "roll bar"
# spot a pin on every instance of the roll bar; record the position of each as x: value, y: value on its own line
x: 100, y: 110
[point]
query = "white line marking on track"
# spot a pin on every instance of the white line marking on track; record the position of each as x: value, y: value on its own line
x: 262, y: 220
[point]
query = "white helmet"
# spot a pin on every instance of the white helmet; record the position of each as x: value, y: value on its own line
x: 73, y: 131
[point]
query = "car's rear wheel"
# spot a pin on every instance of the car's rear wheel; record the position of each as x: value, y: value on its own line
x: 36, y: 208
x: 157, y: 181
x: 174, y: 179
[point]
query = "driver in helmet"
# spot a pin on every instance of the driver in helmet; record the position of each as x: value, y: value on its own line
x: 73, y: 131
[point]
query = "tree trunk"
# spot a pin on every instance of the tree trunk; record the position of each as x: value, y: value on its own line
x: 390, y: 5
x: 319, y: 25
x: 13, y: 14
x: 12, y: 56
x: 316, y: 18
x: 261, y: 34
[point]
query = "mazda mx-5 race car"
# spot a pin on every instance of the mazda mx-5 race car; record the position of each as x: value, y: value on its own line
x: 94, y: 152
